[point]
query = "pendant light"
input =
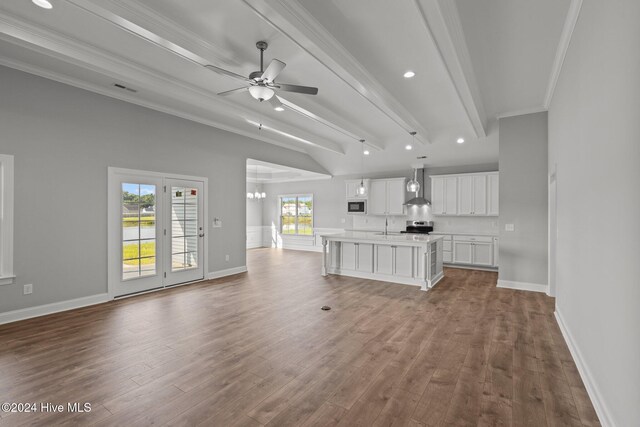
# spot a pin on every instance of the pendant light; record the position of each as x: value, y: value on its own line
x: 362, y: 189
x: 413, y: 186
x: 257, y: 195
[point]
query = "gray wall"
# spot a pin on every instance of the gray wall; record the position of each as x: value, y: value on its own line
x: 594, y: 139
x: 63, y: 140
x: 524, y: 198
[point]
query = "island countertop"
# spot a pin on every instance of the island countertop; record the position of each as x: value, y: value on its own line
x: 408, y: 239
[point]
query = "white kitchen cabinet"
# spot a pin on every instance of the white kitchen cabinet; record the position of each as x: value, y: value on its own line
x: 365, y: 257
x: 447, y: 249
x: 479, y: 195
x: 386, y: 196
x: 377, y: 197
x: 444, y: 195
x: 348, y: 256
x: 462, y: 253
x: 473, y: 194
x: 493, y: 190
x: 465, y: 195
x: 473, y: 250
x: 352, y: 189
x: 482, y: 254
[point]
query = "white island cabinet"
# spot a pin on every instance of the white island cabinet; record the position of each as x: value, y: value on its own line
x: 410, y: 259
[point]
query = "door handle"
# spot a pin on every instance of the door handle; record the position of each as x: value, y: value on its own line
x: 201, y: 234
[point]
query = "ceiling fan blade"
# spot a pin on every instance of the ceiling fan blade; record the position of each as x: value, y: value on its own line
x: 308, y: 90
x: 232, y: 91
x: 276, y: 104
x: 227, y: 73
x: 272, y: 71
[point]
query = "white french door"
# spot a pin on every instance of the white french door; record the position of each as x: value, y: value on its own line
x: 184, y: 231
x: 156, y: 231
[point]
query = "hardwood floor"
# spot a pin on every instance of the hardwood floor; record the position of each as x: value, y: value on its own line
x: 255, y: 349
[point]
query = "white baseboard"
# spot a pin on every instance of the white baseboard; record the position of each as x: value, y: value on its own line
x: 226, y: 272
x: 470, y: 267
x: 56, y: 307
x: 523, y: 286
x: 302, y: 248
x: 592, y: 389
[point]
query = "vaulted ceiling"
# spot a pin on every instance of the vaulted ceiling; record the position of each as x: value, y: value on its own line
x: 474, y: 60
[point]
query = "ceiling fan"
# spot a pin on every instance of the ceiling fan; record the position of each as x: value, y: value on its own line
x: 262, y: 85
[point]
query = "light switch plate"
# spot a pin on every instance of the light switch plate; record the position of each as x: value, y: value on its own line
x: 28, y: 289
x: 509, y: 227
x: 217, y: 223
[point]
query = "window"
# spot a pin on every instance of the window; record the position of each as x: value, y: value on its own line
x: 6, y: 219
x: 296, y: 214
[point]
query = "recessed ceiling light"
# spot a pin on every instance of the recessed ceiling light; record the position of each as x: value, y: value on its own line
x: 279, y: 108
x: 460, y: 140
x: 45, y: 4
x: 366, y: 152
x: 408, y: 147
x: 409, y: 74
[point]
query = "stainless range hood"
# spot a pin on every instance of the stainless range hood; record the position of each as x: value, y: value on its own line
x: 419, y: 200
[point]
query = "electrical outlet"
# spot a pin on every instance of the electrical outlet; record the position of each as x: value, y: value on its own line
x: 342, y: 220
x: 28, y: 289
x: 226, y: 258
x: 509, y: 227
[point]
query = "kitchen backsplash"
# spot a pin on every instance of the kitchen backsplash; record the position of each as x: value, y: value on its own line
x: 448, y: 223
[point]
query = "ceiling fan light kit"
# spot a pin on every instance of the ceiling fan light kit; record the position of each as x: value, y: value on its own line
x: 261, y: 93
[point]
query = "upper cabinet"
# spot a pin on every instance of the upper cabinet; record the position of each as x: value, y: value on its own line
x: 474, y: 194
x: 352, y: 189
x: 386, y: 196
x: 444, y: 195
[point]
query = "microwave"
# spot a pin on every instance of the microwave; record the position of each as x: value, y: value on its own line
x: 356, y: 207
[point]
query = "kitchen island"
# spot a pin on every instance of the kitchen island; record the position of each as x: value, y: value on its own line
x: 410, y: 259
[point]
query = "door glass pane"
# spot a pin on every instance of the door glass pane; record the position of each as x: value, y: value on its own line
x: 177, y: 262
x: 184, y: 228
x: 138, y: 210
x: 191, y: 259
x: 147, y: 266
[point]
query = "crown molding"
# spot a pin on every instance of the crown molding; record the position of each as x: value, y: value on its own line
x: 522, y: 112
x: 296, y: 23
x: 122, y: 96
x: 87, y: 56
x: 563, y: 46
x: 442, y: 22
